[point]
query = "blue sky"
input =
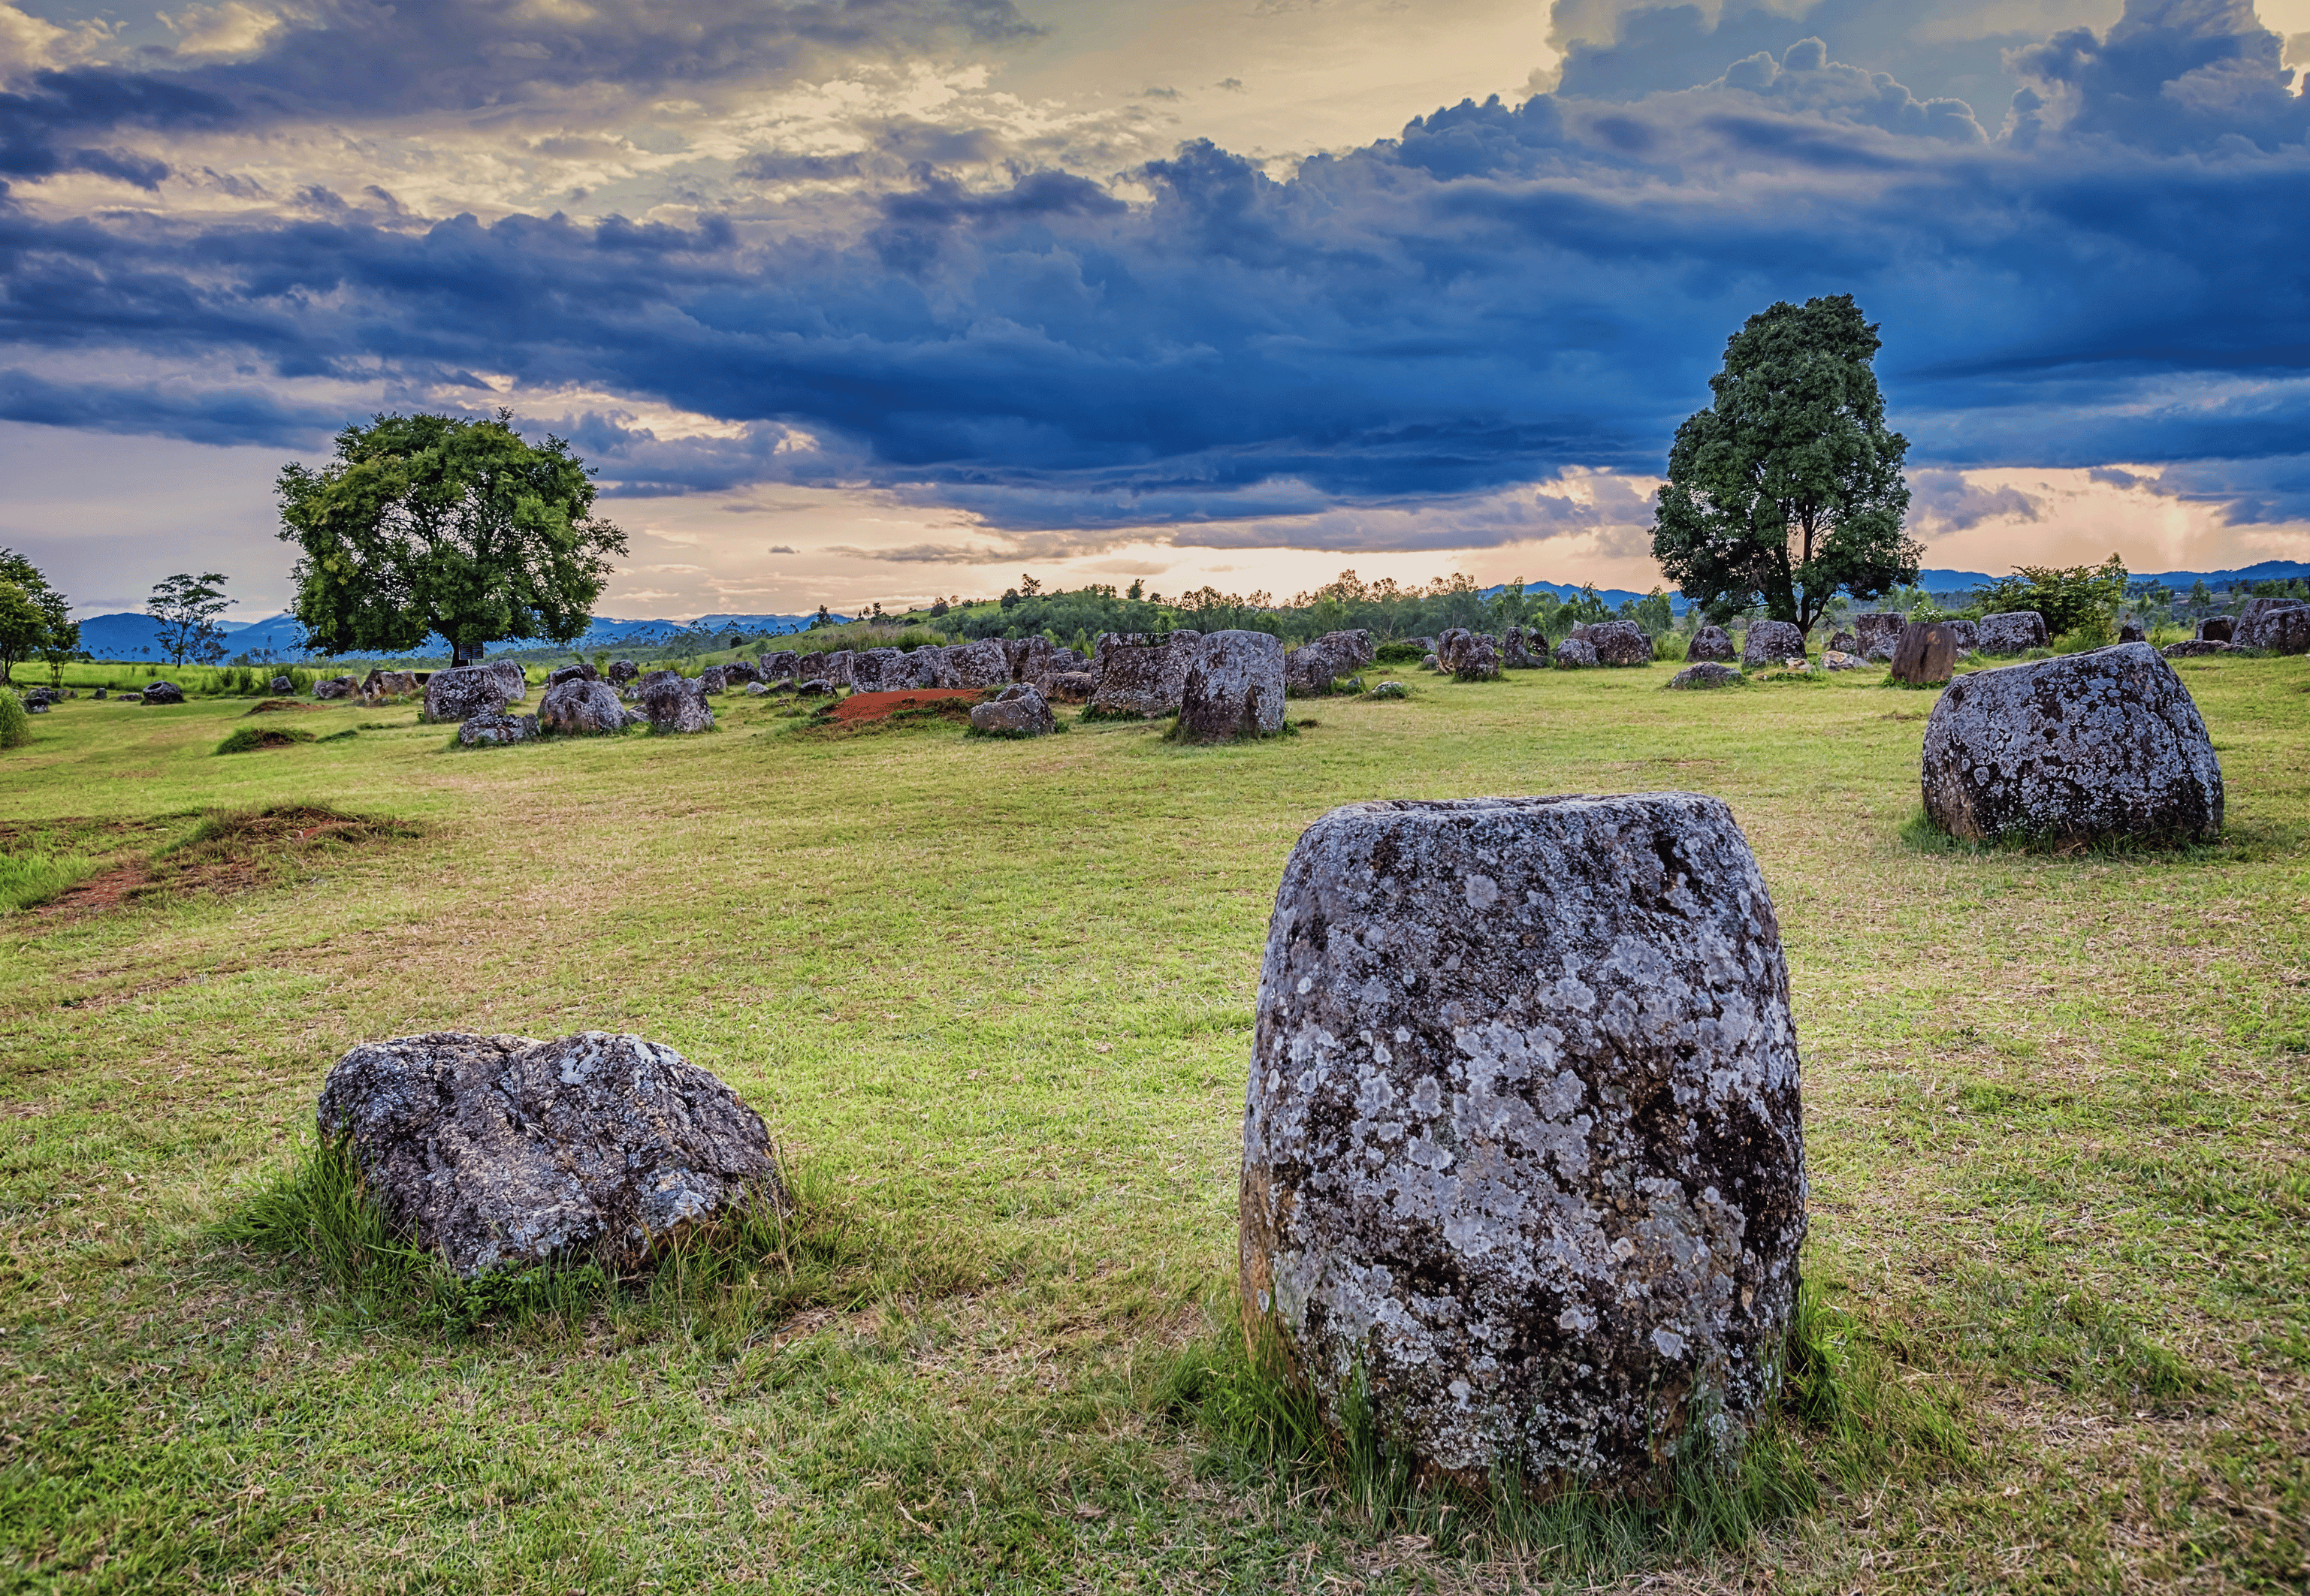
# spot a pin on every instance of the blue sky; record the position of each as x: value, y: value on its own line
x: 885, y: 299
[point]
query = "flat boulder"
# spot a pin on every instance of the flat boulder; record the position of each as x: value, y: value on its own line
x: 1234, y: 689
x: 503, y: 1152
x: 1927, y: 654
x: 675, y: 704
x: 495, y: 727
x: 2195, y: 647
x: 581, y: 706
x: 2017, y: 631
x: 1772, y: 643
x: 462, y: 693
x: 1018, y: 710
x: 1524, y: 1157
x: 163, y: 692
x: 2100, y: 745
x: 1837, y: 659
x: 1575, y: 653
x: 1707, y: 673
x: 1139, y: 673
x: 1710, y: 644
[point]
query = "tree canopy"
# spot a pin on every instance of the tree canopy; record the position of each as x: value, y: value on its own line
x: 438, y: 524
x: 35, y: 619
x: 2069, y: 598
x: 187, y: 608
x: 1788, y: 487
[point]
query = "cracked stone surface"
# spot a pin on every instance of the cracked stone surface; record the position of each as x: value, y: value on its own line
x: 1234, y: 689
x: 1523, y: 1149
x: 1138, y: 674
x: 1771, y: 643
x: 579, y: 707
x: 2103, y: 744
x: 504, y: 1151
x: 1710, y: 645
x: 2015, y: 632
x: 674, y: 703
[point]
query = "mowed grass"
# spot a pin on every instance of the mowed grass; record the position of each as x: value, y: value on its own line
x: 995, y: 998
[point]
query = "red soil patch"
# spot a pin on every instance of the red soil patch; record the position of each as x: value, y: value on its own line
x: 101, y: 893
x: 860, y: 707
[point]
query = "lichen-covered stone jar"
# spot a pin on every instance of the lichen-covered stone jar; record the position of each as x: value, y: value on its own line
x: 1524, y: 1160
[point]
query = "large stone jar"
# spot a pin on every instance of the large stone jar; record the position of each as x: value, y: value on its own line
x: 1524, y: 1163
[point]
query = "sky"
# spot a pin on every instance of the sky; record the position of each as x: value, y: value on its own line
x: 873, y: 301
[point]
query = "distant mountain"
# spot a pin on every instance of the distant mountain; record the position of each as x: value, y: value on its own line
x: 131, y: 635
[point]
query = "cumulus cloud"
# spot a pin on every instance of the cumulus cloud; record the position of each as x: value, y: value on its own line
x: 1395, y: 342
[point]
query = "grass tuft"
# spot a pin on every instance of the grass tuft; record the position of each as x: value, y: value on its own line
x: 244, y: 739
x: 29, y: 880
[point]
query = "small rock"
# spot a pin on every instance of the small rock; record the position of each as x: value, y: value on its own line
x: 1389, y: 689
x: 2102, y: 744
x: 99, y: 694
x: 2015, y: 632
x: 814, y: 688
x: 1522, y: 1149
x: 36, y: 707
x: 2130, y: 633
x: 1770, y: 642
x: 1575, y: 653
x: 163, y: 692
x: 1926, y: 654
x: 282, y: 684
x: 1234, y: 689
x: 675, y: 704
x: 2195, y: 646
x: 496, y: 727
x: 1428, y: 661
x: 1710, y: 643
x: 580, y: 706
x: 1018, y: 711
x: 1707, y: 674
x: 506, y: 1152
x: 755, y: 690
x: 1837, y: 659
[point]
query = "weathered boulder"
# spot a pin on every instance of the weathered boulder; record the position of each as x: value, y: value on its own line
x: 1967, y: 634
x: 163, y: 692
x: 1575, y: 654
x: 1837, y: 659
x: 1522, y: 1151
x: 1036, y: 660
x: 2278, y: 626
x: 505, y: 1152
x: 1517, y: 649
x: 983, y: 663
x: 712, y: 681
x: 497, y: 726
x: 738, y: 673
x: 1879, y: 633
x: 1234, y: 689
x: 336, y: 687
x: 99, y: 694
x: 1138, y: 673
x: 2191, y: 648
x: 1477, y: 660
x: 1925, y: 655
x: 1706, y: 674
x: 2014, y: 632
x: 833, y: 669
x: 878, y: 670
x: 755, y: 690
x: 461, y: 694
x: 511, y: 676
x: 815, y: 688
x: 1428, y: 661
x: 1619, y: 643
x: 2107, y: 743
x: 622, y: 671
x: 929, y: 667
x: 778, y: 663
x: 2130, y: 633
x: 2218, y: 629
x: 580, y: 672
x: 1069, y: 687
x: 1018, y: 710
x: 1310, y: 669
x: 1389, y: 689
x: 1772, y: 643
x: 1845, y: 643
x: 1449, y: 642
x: 1710, y: 643
x: 282, y: 684
x: 675, y: 704
x: 581, y: 708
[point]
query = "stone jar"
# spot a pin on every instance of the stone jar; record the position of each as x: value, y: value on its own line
x: 1234, y: 689
x: 1523, y: 1161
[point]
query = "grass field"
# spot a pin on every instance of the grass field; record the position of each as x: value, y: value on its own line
x: 995, y: 997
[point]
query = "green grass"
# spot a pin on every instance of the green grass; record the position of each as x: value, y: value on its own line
x: 994, y: 998
x: 31, y: 879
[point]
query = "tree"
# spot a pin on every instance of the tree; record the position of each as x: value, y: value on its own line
x: 436, y: 524
x: 2072, y: 598
x: 35, y: 619
x: 187, y: 608
x: 1788, y: 487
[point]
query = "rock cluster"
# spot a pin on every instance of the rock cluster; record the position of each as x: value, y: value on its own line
x: 1469, y: 657
x: 2103, y: 744
x: 1310, y: 669
x: 2017, y: 631
x: 1234, y: 689
x: 1018, y: 710
x: 1772, y: 643
x: 1524, y: 1168
x: 503, y: 1152
x: 1517, y: 649
x: 2279, y: 626
x: 1710, y: 643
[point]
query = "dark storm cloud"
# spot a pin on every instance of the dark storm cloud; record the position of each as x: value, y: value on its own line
x: 1500, y: 295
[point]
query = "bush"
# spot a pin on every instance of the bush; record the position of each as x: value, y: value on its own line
x: 244, y: 739
x: 1399, y: 653
x: 15, y: 725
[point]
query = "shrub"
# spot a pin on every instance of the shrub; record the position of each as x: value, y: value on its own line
x: 1399, y: 653
x: 15, y: 725
x: 244, y: 739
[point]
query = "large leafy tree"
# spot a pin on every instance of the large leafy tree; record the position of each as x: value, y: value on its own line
x: 436, y: 524
x: 187, y: 608
x: 1788, y: 487
x: 35, y: 619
